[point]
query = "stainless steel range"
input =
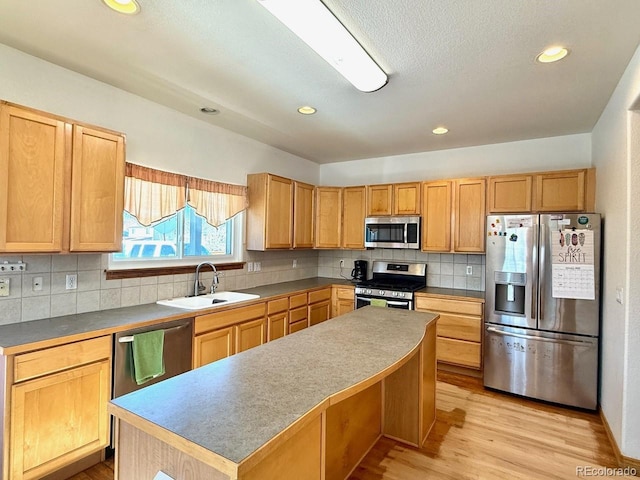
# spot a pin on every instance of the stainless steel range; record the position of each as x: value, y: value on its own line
x: 392, y: 284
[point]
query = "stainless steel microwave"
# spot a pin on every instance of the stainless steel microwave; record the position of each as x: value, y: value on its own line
x: 392, y: 232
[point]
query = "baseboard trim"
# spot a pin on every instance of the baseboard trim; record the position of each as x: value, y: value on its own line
x: 620, y: 458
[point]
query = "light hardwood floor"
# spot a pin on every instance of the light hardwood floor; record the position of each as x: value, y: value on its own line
x: 481, y: 434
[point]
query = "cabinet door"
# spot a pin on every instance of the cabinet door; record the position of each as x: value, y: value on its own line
x: 213, y: 346
x: 279, y: 221
x: 97, y: 191
x: 354, y: 201
x: 342, y: 300
x: 328, y: 221
x: 250, y: 334
x: 406, y: 198
x: 469, y: 224
x: 560, y: 191
x: 33, y: 158
x: 277, y: 325
x: 344, y: 306
x: 436, y: 216
x: 379, y: 199
x: 58, y: 419
x: 319, y: 312
x: 303, y: 215
x: 510, y: 194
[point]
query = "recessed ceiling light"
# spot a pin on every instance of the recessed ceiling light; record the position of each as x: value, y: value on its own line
x: 210, y: 111
x: 552, y: 54
x: 440, y: 131
x: 307, y: 110
x: 128, y: 7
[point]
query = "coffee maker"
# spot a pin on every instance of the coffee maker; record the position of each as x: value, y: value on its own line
x: 359, y: 272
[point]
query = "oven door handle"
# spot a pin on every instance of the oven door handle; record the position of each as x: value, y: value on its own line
x: 364, y: 299
x: 129, y: 338
x: 390, y: 302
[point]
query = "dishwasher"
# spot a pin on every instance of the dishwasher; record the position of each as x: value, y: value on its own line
x: 177, y: 354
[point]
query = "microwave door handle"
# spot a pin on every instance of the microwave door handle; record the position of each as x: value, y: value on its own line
x: 406, y: 234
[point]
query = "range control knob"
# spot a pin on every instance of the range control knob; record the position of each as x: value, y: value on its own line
x: 401, y: 294
x: 380, y: 292
x: 395, y: 294
x: 368, y: 292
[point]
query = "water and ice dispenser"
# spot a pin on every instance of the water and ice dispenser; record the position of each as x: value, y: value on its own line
x: 510, y: 292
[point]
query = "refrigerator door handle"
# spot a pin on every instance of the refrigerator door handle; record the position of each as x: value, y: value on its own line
x: 534, y: 283
x: 542, y: 274
x: 541, y: 339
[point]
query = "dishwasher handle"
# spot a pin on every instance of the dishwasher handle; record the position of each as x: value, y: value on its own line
x: 129, y: 338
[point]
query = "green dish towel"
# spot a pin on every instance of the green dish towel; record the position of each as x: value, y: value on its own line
x: 147, y: 355
x: 378, y: 302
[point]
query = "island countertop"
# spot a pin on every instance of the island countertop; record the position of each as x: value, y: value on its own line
x: 234, y: 406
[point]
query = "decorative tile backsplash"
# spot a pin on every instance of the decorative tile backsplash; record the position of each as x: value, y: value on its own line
x: 94, y: 292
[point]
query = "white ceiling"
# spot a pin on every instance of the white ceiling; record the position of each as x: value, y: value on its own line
x: 466, y: 64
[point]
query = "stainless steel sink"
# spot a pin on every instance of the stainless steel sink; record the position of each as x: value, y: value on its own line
x: 211, y: 300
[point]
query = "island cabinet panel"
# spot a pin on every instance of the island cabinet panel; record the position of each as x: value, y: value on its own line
x: 436, y: 216
x: 213, y: 346
x: 270, y: 212
x: 58, y: 418
x: 61, y: 184
x: 469, y: 215
x: 328, y: 217
x: 303, y: 199
x: 354, y: 205
x: 402, y: 389
x: 342, y: 300
x: 459, y: 330
x: 379, y: 199
x: 352, y: 427
x: 406, y: 198
x: 509, y: 194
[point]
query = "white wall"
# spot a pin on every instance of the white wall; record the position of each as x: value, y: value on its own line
x: 616, y: 155
x: 556, y: 153
x: 156, y: 135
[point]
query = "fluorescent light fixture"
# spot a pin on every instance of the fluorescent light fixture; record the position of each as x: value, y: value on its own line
x: 314, y: 23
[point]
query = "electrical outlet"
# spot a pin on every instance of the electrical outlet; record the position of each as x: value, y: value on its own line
x: 257, y: 266
x: 72, y: 281
x: 249, y: 266
x: 295, y: 263
x: 36, y: 284
x: 4, y: 287
x: 469, y: 270
x: 341, y: 262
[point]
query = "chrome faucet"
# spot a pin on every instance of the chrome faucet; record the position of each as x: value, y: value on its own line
x: 198, y: 287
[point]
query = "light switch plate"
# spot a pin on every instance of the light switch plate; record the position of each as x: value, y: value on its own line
x: 620, y: 295
x: 4, y: 287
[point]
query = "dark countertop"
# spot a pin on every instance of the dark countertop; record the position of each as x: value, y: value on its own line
x: 235, y: 405
x: 453, y: 293
x: 288, y: 288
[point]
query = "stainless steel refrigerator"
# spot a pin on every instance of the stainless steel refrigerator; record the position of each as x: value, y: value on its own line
x: 542, y: 310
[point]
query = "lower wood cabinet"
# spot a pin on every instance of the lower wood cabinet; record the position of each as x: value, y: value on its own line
x: 250, y: 334
x: 459, y: 330
x: 298, y: 314
x: 213, y: 346
x: 319, y: 309
x: 58, y: 407
x: 277, y: 318
x: 342, y: 300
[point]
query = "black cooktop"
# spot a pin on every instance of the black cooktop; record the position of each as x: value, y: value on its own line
x: 400, y: 286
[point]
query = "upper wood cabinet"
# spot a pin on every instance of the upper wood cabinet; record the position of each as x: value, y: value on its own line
x: 436, y: 216
x: 509, y: 194
x: 328, y: 217
x: 559, y: 191
x: 393, y: 199
x: 270, y: 212
x: 469, y: 215
x: 453, y: 215
x: 303, y: 199
x: 61, y: 184
x: 354, y: 201
x: 379, y: 199
x: 406, y: 198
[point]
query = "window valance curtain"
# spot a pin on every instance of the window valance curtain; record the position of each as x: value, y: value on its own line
x: 151, y: 195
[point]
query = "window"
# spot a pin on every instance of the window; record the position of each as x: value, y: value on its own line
x: 161, y: 228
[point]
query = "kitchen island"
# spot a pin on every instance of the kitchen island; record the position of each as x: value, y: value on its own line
x: 307, y: 406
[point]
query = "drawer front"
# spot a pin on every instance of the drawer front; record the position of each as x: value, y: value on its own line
x: 277, y: 306
x: 298, y: 314
x: 296, y: 327
x: 55, y: 359
x: 213, y: 321
x: 320, y: 295
x: 345, y: 293
x: 460, y: 327
x: 299, y: 300
x: 458, y: 352
x: 453, y: 306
